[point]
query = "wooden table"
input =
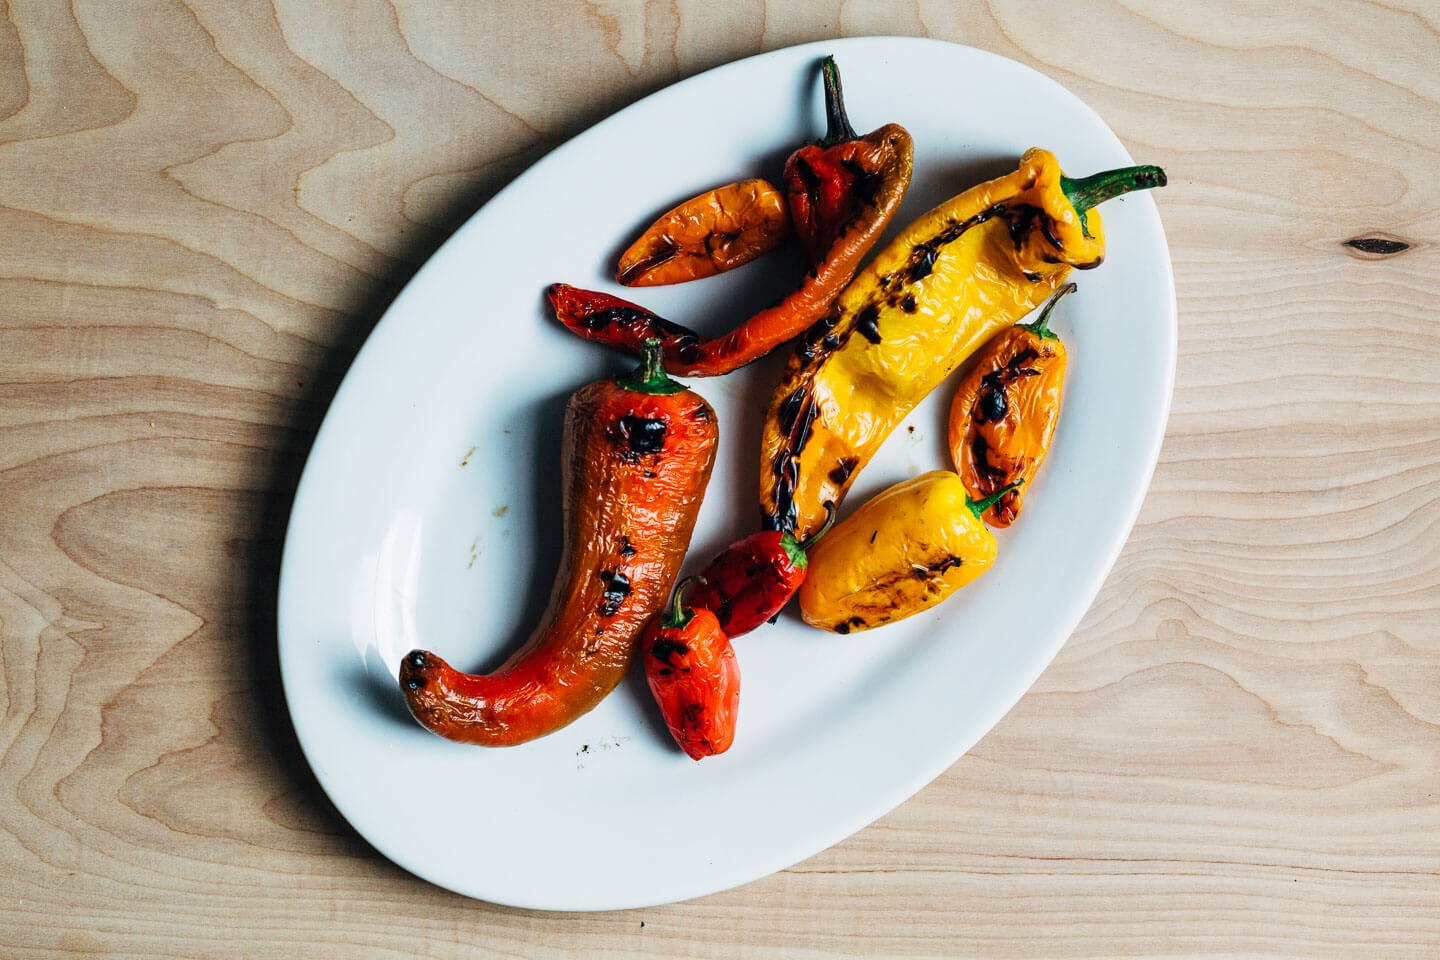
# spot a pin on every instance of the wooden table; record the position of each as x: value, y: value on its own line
x: 204, y: 207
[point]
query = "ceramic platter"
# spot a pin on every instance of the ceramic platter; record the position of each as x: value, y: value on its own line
x: 428, y: 512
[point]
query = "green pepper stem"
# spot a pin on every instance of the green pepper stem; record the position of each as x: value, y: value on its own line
x: 1041, y: 326
x: 1094, y: 190
x: 978, y: 507
x: 678, y: 615
x: 837, y: 124
x: 650, y: 376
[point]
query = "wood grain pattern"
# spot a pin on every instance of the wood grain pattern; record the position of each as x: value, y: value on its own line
x: 206, y: 204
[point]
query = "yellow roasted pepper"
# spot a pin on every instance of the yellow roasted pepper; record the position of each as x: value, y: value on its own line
x: 903, y: 552
x: 976, y: 263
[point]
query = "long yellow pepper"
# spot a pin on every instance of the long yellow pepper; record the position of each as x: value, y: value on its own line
x: 974, y: 264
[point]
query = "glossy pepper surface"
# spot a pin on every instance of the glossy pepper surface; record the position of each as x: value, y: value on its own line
x: 1004, y: 413
x: 976, y: 263
x: 904, y: 551
x: 637, y: 457
x: 717, y: 231
x: 868, y: 177
x: 692, y: 671
x: 752, y: 580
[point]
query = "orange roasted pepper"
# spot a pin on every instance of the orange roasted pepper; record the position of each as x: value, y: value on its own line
x: 717, y: 231
x: 1004, y: 414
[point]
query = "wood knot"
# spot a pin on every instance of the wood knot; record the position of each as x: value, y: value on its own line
x: 1375, y: 246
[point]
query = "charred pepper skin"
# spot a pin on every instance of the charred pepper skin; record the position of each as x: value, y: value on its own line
x: 637, y: 457
x: 870, y: 177
x: 751, y: 581
x: 694, y: 676
x: 1004, y: 413
x: 976, y: 263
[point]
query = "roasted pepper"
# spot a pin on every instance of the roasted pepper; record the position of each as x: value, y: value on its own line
x: 902, y: 552
x: 1004, y: 414
x: 974, y: 264
x: 752, y: 580
x: 717, y: 231
x: 859, y: 183
x: 694, y: 676
x: 637, y: 457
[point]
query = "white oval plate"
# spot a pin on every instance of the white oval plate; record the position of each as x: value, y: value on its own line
x: 427, y: 515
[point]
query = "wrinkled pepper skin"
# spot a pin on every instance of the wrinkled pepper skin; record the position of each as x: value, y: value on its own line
x: 904, y: 551
x: 751, y: 580
x: 717, y: 231
x: 977, y: 263
x: 637, y: 457
x: 1004, y: 414
x: 876, y: 172
x: 692, y: 671
x: 826, y: 182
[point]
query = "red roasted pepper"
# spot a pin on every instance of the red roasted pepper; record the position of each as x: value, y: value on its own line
x: 751, y: 581
x: 694, y: 676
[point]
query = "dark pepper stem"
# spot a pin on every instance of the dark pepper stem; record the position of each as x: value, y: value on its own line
x: 830, y: 514
x: 1094, y: 190
x: 837, y: 124
x: 1041, y: 326
x: 650, y: 376
x: 978, y: 507
x: 679, y: 615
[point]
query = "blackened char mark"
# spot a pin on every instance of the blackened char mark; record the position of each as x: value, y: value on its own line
x: 796, y: 418
x: 666, y: 650
x: 867, y: 184
x: 1025, y: 217
x: 922, y: 258
x: 617, y: 588
x: 785, y: 516
x: 803, y: 424
x: 638, y: 435
x: 867, y: 322
x: 664, y: 252
x: 921, y: 263
x: 626, y: 550
x: 979, y: 450
x: 809, y: 180
x: 638, y: 324
x: 842, y: 471
x: 790, y: 410
x: 991, y: 405
x: 940, y: 566
x: 818, y: 336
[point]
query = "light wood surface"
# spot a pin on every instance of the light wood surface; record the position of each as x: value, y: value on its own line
x: 204, y: 207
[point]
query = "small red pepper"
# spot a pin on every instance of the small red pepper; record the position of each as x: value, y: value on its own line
x: 825, y: 180
x: 751, y: 581
x: 693, y: 675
